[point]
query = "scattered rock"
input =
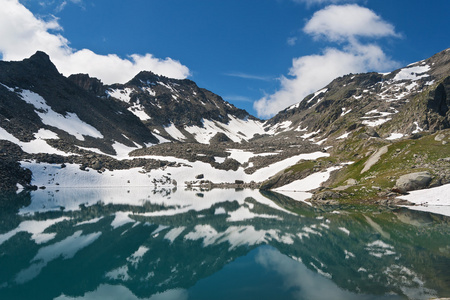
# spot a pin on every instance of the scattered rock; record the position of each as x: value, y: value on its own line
x: 351, y: 182
x: 220, y: 138
x: 412, y: 181
x: 327, y: 195
x: 439, y: 137
x: 200, y: 176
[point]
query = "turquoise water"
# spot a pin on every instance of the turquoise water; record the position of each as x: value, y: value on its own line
x: 168, y: 244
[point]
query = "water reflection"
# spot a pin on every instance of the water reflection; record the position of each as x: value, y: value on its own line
x: 175, y: 244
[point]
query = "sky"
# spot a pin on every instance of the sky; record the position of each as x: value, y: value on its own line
x: 260, y: 55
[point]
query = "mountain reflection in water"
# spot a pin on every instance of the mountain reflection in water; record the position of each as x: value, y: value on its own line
x: 220, y: 244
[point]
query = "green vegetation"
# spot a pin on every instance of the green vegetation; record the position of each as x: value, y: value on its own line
x: 402, y: 157
x: 426, y: 153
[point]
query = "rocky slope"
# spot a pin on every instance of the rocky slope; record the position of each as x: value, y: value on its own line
x: 358, y: 135
x: 400, y: 103
x: 176, y: 109
x: 386, y: 125
x: 46, y: 118
x: 36, y: 100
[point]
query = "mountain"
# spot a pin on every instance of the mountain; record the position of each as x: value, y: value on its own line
x: 35, y: 100
x: 354, y: 139
x: 382, y: 126
x: 406, y: 101
x: 176, y: 109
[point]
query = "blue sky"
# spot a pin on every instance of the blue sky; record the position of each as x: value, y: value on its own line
x: 260, y: 55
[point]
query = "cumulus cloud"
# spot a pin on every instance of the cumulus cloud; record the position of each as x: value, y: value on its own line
x: 22, y: 34
x: 312, y: 72
x: 337, y: 23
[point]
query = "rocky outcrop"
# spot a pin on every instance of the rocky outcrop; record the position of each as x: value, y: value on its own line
x: 413, y: 181
x: 90, y: 84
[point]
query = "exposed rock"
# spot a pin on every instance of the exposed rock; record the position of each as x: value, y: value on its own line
x: 230, y: 164
x: 374, y: 158
x: 439, y: 137
x: 351, y: 182
x: 413, y: 181
x: 220, y: 138
x: 327, y: 195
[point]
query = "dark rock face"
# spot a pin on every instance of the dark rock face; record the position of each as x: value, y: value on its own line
x: 38, y: 75
x: 179, y: 102
x: 220, y: 138
x: 11, y: 173
x: 90, y: 84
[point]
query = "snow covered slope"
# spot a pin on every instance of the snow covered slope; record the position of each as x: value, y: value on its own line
x: 178, y: 109
x: 36, y: 98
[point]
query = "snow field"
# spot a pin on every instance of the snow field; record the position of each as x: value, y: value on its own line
x: 69, y: 123
x: 236, y: 129
x: 435, y: 200
x: 39, y: 145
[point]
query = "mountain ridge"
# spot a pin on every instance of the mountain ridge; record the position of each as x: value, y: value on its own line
x: 156, y: 130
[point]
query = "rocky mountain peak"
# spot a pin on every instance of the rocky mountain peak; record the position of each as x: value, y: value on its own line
x: 41, y: 61
x: 146, y: 78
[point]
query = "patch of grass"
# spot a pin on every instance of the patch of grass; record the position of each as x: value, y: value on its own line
x: 302, y: 166
x: 402, y: 157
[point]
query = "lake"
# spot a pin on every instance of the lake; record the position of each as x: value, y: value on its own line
x: 142, y: 243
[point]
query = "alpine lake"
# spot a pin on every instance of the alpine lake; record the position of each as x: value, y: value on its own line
x: 141, y: 243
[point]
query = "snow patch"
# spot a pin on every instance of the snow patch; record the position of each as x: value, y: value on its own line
x: 412, y: 73
x: 138, y: 110
x: 344, y: 136
x: 395, y: 136
x: 121, y: 94
x: 69, y: 123
x: 174, y: 132
x: 311, y: 182
x: 236, y: 129
x: 39, y: 145
x: 434, y: 200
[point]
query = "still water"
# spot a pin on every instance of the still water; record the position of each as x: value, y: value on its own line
x: 219, y: 244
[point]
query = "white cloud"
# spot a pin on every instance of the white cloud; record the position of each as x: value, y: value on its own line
x: 22, y: 34
x: 311, y: 73
x: 237, y: 98
x: 337, y: 23
x: 292, y: 41
x: 248, y: 76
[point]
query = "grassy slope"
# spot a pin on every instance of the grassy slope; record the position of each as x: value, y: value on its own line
x: 403, y: 157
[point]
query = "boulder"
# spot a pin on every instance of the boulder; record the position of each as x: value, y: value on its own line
x: 413, y: 181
